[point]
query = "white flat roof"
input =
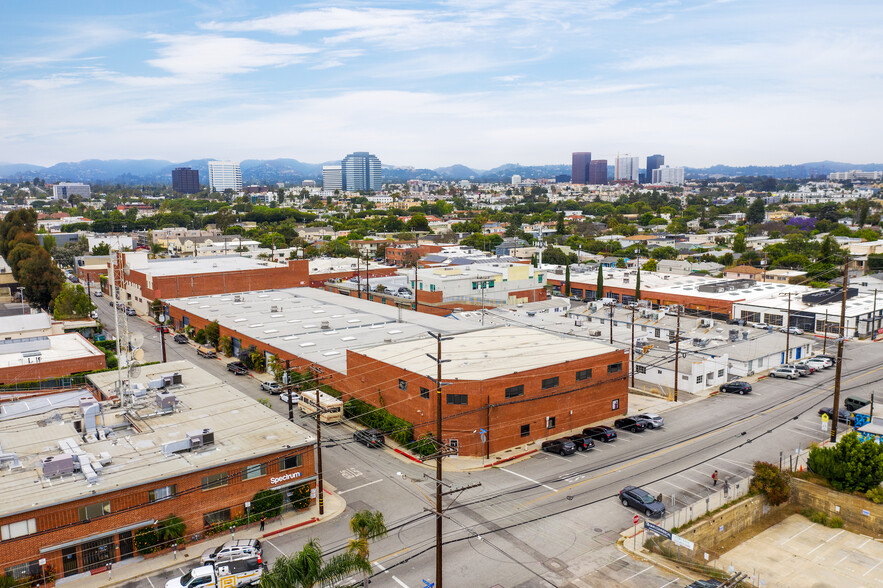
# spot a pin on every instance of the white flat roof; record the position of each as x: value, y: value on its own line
x: 243, y: 429
x: 62, y: 347
x: 486, y: 354
x: 205, y: 265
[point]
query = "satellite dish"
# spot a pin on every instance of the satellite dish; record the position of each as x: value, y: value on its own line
x: 135, y: 368
x: 136, y: 339
x: 138, y: 354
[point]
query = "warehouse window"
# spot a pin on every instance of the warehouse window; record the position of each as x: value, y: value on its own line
x: 254, y: 471
x: 709, y: 376
x: 94, y: 511
x: 424, y: 392
x: 163, y: 493
x: 583, y: 375
x: 720, y: 373
x: 290, y: 462
x: 458, y: 399
x: 777, y: 320
x: 18, y: 529
x: 698, y: 379
x: 25, y: 570
x: 751, y: 317
x: 550, y: 383
x: 213, y: 518
x: 550, y: 422
x: 614, y: 368
x: 641, y: 369
x: 403, y: 385
x: 525, y: 430
x: 514, y: 391
x: 214, y: 480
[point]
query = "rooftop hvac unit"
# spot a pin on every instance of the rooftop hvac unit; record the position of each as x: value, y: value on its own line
x: 173, y: 379
x: 156, y: 384
x: 744, y: 335
x: 166, y: 401
x: 176, y: 446
x: 325, y: 325
x: 734, y: 334
x: 595, y: 333
x: 58, y: 465
x: 201, y: 438
x: 274, y: 309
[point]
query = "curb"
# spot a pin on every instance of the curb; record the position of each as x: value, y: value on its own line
x: 289, y: 528
x: 408, y: 455
x: 510, y: 458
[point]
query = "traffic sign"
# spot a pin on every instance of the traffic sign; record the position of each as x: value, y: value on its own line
x: 636, y: 519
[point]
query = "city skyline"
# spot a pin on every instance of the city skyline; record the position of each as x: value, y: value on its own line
x: 442, y: 83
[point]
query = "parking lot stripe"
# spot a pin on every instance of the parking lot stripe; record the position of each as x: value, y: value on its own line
x: 872, y: 569
x: 638, y: 574
x: 820, y: 545
x: 804, y: 434
x: 682, y: 489
x: 358, y: 487
x: 528, y: 479
x: 811, y: 525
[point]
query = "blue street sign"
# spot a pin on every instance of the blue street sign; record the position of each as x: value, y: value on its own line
x: 483, y: 432
x: 428, y: 584
x: 657, y: 529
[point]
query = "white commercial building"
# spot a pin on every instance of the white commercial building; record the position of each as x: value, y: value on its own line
x: 224, y: 175
x: 671, y: 176
x: 63, y: 190
x: 628, y: 168
x: 332, y: 177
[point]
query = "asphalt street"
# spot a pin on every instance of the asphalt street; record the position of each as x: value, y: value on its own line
x: 550, y: 520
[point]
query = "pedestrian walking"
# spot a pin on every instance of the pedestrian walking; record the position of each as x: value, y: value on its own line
x: 714, y: 478
x: 263, y: 520
x: 726, y: 487
x: 659, y: 498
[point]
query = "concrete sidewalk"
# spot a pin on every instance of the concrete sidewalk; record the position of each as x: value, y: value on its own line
x: 188, y: 555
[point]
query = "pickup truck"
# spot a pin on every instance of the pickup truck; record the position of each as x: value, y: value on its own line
x: 238, y: 572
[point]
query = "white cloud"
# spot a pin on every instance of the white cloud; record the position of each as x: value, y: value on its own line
x: 213, y: 55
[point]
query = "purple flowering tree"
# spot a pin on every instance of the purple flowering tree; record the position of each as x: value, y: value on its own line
x: 802, y: 222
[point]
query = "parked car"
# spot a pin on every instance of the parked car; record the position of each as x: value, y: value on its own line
x: 650, y: 420
x: 794, y: 331
x: 237, y: 367
x: 831, y: 358
x: 803, y: 370
x: 130, y: 311
x: 559, y: 446
x: 844, y: 416
x: 369, y: 437
x: 230, y: 550
x: 271, y: 387
x: 642, y: 500
x: 785, y: 372
x: 737, y: 387
x: 600, y: 433
x: 710, y: 583
x: 582, y: 442
x: 630, y: 424
x: 815, y: 366
x: 295, y: 397
x: 98, y: 293
x: 737, y: 321
x: 823, y: 362
x: 181, y: 338
x: 161, y: 328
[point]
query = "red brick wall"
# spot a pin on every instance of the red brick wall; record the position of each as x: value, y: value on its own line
x: 30, y: 372
x: 131, y: 506
x: 94, y: 275
x: 589, y: 400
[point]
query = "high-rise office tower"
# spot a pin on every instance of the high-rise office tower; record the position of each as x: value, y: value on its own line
x: 672, y: 176
x: 653, y: 162
x: 332, y: 177
x: 185, y: 180
x: 628, y: 168
x: 224, y: 175
x: 598, y: 171
x: 361, y: 171
x: 579, y: 173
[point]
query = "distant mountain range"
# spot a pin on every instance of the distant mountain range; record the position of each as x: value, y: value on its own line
x: 270, y: 171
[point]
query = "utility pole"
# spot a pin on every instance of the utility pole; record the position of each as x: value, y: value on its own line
x: 612, y: 307
x: 416, y: 263
x: 788, y: 332
x: 839, y: 368
x: 440, y: 453
x: 825, y: 334
x: 632, y: 357
x: 367, y: 275
x: 677, y: 352
x: 487, y: 434
x: 290, y: 388
x: 874, y: 317
x: 359, y: 274
x: 320, y: 488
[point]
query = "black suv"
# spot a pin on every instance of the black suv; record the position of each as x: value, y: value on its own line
x: 237, y: 367
x: 642, y: 500
x: 600, y: 433
x: 844, y: 416
x: 630, y: 424
x: 582, y: 442
x: 370, y: 437
x: 180, y: 338
x: 737, y: 387
x: 559, y: 446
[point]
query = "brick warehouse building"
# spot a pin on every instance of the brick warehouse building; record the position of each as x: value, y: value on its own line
x: 96, y: 473
x: 518, y: 384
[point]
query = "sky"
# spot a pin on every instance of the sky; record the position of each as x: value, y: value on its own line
x: 430, y: 84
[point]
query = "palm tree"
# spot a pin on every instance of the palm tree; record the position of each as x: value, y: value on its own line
x: 307, y: 567
x: 366, y: 525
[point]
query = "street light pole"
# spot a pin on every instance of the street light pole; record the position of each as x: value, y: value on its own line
x: 632, y: 358
x: 788, y: 332
x: 677, y: 351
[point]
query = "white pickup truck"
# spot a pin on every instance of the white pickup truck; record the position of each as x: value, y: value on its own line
x: 228, y: 574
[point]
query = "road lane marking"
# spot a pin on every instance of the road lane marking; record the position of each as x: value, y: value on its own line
x: 529, y: 479
x: 820, y: 545
x: 677, y: 446
x: 151, y: 583
x: 811, y: 525
x: 669, y: 584
x: 805, y: 434
x: 274, y: 547
x: 359, y: 487
x: 399, y: 582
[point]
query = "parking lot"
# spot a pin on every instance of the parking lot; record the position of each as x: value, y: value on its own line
x: 797, y: 552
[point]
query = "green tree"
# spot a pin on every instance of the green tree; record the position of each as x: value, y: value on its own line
x: 771, y: 481
x: 567, y: 280
x: 49, y: 243
x: 367, y: 526
x: 560, y: 227
x: 756, y: 212
x: 170, y: 529
x: 267, y: 503
x: 213, y: 333
x: 307, y: 567
x: 101, y: 249
x: 599, y: 288
x: 666, y: 252
x: 72, y: 302
x: 40, y: 277
x: 850, y: 465
x: 739, y: 244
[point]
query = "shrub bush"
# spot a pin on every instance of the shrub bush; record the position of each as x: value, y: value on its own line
x: 199, y: 337
x: 146, y: 540
x: 770, y: 481
x: 850, y: 465
x: 875, y: 495
x: 267, y: 503
x: 835, y: 523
